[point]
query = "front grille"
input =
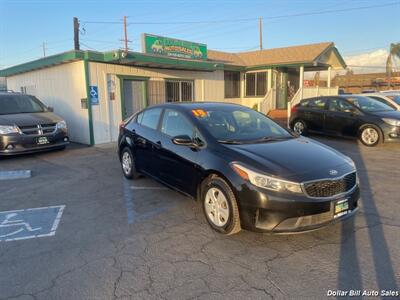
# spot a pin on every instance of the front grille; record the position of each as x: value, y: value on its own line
x: 38, y: 129
x: 331, y: 187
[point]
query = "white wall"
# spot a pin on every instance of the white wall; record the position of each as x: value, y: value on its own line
x: 61, y: 87
x: 107, y: 115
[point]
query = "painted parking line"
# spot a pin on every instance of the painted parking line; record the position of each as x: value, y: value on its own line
x: 149, y: 188
x: 30, y: 223
x: 133, y: 203
x: 19, y: 174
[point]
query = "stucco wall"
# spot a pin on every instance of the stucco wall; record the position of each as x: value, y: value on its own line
x: 107, y: 115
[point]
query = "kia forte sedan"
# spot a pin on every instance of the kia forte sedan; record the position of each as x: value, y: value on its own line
x: 245, y: 170
x: 369, y: 120
x: 27, y: 125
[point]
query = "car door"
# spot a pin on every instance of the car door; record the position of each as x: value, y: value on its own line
x: 178, y: 164
x: 341, y: 118
x: 146, y: 138
x: 314, y: 114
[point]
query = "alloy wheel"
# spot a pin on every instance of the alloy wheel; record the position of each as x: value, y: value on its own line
x: 370, y: 136
x: 298, y: 127
x: 216, y: 206
x: 126, y: 163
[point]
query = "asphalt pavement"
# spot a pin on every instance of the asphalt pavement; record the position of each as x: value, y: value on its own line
x: 91, y: 234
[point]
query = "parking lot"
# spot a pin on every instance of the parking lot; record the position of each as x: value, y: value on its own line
x: 120, y: 239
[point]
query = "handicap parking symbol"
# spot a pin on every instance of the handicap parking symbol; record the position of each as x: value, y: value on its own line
x: 29, y: 223
x: 94, y: 95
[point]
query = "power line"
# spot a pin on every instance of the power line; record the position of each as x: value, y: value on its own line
x: 248, y: 19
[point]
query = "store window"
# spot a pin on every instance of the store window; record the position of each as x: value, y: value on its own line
x: 232, y: 84
x: 256, y: 84
x: 179, y: 90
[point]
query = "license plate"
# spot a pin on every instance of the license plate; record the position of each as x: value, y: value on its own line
x: 42, y: 140
x: 341, y: 208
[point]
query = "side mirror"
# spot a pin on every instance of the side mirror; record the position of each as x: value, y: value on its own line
x: 50, y: 109
x: 183, y: 140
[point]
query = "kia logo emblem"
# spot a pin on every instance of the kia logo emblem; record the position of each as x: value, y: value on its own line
x: 333, y: 172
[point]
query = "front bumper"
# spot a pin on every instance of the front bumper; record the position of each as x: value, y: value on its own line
x: 391, y: 133
x: 276, y: 213
x: 22, y: 144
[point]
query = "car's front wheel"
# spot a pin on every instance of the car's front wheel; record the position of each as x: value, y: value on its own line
x: 128, y: 164
x: 220, y: 206
x: 370, y: 135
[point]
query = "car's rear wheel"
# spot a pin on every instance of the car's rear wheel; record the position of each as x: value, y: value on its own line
x: 300, y: 127
x: 370, y: 135
x: 220, y: 206
x: 128, y: 164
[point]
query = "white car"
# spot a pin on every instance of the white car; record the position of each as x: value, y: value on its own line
x: 387, y: 98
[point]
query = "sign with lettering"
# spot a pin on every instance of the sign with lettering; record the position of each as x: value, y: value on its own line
x: 159, y: 45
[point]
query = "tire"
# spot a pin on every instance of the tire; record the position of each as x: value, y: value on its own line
x: 370, y: 135
x: 300, y: 127
x: 128, y: 164
x: 220, y: 206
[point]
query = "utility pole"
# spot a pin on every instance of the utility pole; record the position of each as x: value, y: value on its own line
x: 44, y: 49
x: 260, y: 30
x: 125, y: 35
x: 76, y: 34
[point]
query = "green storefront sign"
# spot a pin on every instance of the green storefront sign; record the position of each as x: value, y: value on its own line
x: 154, y: 44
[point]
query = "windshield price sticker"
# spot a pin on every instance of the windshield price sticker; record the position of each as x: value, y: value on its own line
x: 199, y: 113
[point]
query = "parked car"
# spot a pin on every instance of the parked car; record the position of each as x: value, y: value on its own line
x: 246, y: 170
x: 370, y: 120
x: 27, y: 125
x: 386, y: 99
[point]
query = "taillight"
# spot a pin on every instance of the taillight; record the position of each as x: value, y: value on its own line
x: 294, y: 109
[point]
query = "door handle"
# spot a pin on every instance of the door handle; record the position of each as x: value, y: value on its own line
x: 157, y: 145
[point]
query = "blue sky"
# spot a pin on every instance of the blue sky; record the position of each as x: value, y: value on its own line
x: 25, y: 25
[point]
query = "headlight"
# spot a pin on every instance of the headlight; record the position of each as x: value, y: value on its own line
x: 266, y: 182
x: 392, y: 122
x: 8, y: 129
x: 62, y: 125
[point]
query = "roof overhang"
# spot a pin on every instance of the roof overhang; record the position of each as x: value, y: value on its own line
x: 160, y: 62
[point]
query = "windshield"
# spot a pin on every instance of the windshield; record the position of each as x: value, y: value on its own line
x: 395, y: 98
x: 234, y: 124
x: 18, y: 104
x: 368, y: 104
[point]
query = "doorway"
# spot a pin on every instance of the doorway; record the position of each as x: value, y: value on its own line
x: 133, y: 96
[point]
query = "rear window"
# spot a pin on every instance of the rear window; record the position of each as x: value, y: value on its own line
x: 150, y: 118
x: 19, y: 104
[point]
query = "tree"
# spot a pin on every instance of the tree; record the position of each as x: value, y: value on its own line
x: 394, y: 54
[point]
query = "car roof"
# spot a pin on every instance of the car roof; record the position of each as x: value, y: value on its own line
x: 10, y: 93
x: 195, y: 105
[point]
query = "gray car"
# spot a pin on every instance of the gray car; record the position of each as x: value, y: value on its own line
x: 27, y: 125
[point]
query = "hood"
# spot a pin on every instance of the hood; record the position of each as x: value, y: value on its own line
x: 393, y: 114
x: 29, y: 119
x: 297, y: 159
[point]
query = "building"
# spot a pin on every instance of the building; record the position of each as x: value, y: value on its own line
x: 94, y: 91
x: 357, y: 83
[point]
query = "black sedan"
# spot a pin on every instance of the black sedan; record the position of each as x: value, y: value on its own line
x: 370, y: 120
x: 27, y: 125
x: 246, y: 170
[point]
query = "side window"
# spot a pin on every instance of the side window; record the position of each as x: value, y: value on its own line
x: 340, y: 106
x: 174, y: 124
x: 150, y: 117
x: 318, y: 103
x: 334, y: 105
